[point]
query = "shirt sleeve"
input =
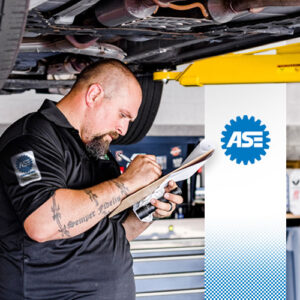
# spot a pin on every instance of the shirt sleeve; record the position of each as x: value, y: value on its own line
x: 31, y: 169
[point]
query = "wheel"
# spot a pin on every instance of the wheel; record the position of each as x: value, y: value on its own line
x: 151, y: 99
x: 12, y: 24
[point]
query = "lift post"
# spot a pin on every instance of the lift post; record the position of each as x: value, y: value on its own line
x: 273, y: 65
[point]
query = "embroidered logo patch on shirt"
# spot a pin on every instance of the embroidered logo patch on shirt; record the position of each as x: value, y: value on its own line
x: 26, y: 168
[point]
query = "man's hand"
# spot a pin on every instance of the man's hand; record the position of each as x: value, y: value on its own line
x: 163, y: 209
x: 142, y: 171
x: 134, y: 227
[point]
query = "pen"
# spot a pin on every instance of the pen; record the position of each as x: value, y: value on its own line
x: 124, y: 157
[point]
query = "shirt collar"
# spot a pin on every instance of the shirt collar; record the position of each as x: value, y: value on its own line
x: 50, y: 111
x: 53, y: 114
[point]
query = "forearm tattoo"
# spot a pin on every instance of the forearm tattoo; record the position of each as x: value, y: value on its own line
x: 85, y: 219
x: 93, y: 197
x: 102, y: 210
x: 123, y: 189
x: 57, y: 217
x: 63, y: 229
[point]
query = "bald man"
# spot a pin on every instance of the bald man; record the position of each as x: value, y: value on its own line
x: 58, y: 184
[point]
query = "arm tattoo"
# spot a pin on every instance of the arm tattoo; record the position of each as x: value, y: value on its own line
x: 93, y: 197
x: 103, y: 207
x: 124, y: 190
x: 72, y: 224
x: 56, y: 217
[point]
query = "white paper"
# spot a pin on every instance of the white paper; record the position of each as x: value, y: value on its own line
x: 203, y: 147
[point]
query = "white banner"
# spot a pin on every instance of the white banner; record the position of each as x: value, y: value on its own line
x: 245, y: 191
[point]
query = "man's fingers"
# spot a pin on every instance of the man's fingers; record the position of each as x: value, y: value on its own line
x: 152, y: 160
x: 155, y: 164
x: 163, y: 206
x: 162, y: 209
x: 177, y: 199
x: 162, y: 213
x: 171, y: 186
x: 165, y: 209
x: 152, y: 157
x: 145, y: 167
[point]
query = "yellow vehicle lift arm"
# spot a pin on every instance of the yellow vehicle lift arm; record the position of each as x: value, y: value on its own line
x: 283, y: 65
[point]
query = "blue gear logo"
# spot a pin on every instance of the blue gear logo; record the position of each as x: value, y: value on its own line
x: 245, y: 139
x: 24, y: 164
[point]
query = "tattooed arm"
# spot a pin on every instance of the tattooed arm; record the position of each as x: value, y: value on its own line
x: 71, y: 212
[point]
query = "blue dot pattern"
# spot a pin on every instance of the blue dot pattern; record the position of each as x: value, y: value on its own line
x: 238, y: 268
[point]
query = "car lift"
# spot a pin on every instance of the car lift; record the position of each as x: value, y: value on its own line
x: 272, y: 65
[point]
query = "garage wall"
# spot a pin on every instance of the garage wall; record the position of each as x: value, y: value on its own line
x: 179, y: 106
x: 181, y: 112
x: 185, y: 105
x: 293, y: 121
x: 13, y: 107
x: 293, y: 104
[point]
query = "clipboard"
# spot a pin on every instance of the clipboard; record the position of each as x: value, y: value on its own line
x: 190, y: 166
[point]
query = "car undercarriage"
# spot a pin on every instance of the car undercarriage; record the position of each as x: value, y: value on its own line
x: 62, y: 37
x: 45, y: 43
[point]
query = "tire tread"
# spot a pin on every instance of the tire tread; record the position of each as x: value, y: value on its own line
x: 12, y: 27
x: 137, y: 130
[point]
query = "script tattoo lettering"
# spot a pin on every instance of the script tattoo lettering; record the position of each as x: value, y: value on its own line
x: 103, y: 207
x: 93, y: 197
x: 124, y: 190
x: 72, y: 224
x: 57, y: 217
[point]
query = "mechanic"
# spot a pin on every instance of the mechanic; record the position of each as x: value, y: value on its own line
x: 59, y: 182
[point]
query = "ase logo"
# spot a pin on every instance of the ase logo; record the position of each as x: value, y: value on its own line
x: 245, y: 140
x: 24, y: 163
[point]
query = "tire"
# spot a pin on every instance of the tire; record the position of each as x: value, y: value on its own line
x: 13, y: 21
x: 152, y: 91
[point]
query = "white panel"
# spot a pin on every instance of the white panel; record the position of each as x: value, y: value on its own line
x: 245, y: 203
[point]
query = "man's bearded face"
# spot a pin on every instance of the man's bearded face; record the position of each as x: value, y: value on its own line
x: 98, y: 146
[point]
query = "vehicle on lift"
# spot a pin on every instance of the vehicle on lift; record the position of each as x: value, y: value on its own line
x: 45, y: 43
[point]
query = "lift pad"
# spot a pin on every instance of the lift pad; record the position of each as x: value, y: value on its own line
x: 273, y: 65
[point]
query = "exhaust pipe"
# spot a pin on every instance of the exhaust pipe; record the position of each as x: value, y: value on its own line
x: 223, y: 11
x: 112, y: 13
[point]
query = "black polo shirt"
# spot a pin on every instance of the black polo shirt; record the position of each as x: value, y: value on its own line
x: 39, y: 154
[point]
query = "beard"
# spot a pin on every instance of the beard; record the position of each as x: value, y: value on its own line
x: 97, y: 147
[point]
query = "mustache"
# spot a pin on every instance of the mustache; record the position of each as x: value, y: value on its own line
x: 113, y: 134
x: 98, y: 146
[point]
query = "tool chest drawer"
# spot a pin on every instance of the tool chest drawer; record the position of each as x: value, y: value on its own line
x: 169, y: 268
